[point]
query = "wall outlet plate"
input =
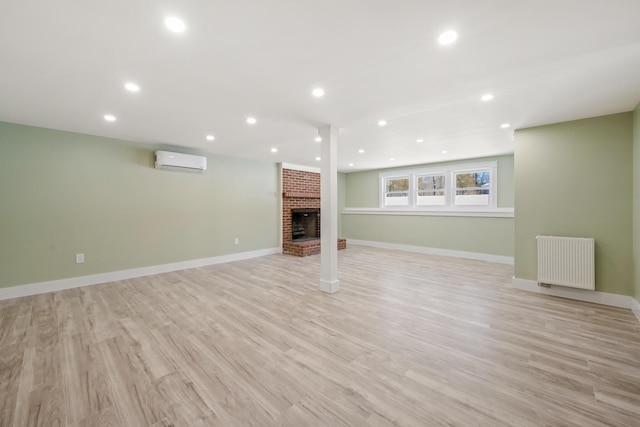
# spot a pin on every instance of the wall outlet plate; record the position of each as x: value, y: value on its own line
x: 79, y: 258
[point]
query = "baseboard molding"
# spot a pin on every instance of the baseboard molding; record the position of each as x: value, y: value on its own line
x: 94, y: 279
x: 434, y: 251
x: 604, y: 298
x: 635, y: 307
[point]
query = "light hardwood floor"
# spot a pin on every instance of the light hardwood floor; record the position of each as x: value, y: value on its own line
x: 410, y: 340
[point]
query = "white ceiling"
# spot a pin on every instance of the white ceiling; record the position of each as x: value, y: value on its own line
x: 63, y: 64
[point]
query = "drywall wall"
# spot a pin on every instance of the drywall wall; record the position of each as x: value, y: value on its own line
x: 363, y: 189
x: 636, y: 200
x: 492, y: 236
x: 575, y: 179
x: 342, y: 198
x: 63, y: 193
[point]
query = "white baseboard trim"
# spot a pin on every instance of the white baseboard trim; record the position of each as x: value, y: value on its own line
x: 635, y: 307
x: 434, y: 251
x: 604, y: 298
x: 94, y: 279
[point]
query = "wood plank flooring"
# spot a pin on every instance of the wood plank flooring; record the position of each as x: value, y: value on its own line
x: 410, y: 340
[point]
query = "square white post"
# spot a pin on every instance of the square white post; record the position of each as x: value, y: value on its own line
x: 329, y: 210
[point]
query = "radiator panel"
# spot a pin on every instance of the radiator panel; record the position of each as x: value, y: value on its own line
x: 566, y: 261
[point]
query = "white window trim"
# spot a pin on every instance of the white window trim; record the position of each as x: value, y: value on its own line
x: 450, y: 189
x: 447, y: 193
x: 382, y: 188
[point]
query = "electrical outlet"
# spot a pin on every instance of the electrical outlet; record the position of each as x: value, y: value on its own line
x: 79, y: 258
x: 236, y: 241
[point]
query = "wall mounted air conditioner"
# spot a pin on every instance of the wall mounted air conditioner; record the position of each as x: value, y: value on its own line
x: 180, y: 162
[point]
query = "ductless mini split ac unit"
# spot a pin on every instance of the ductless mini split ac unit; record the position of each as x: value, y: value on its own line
x: 180, y: 162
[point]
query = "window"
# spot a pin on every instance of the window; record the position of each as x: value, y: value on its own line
x: 473, y: 188
x: 455, y: 187
x: 396, y: 191
x: 431, y: 190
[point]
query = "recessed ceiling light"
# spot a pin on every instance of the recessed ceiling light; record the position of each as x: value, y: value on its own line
x: 351, y: 164
x: 444, y: 151
x: 382, y: 123
x: 419, y: 140
x: 210, y: 137
x: 318, y: 158
x: 447, y: 37
x: 274, y: 150
x: 175, y: 24
x: 486, y: 97
x: 392, y: 159
x: 505, y: 125
x: 361, y: 151
x: 132, y: 87
x: 318, y: 92
x: 110, y: 117
x: 318, y: 139
x: 251, y: 120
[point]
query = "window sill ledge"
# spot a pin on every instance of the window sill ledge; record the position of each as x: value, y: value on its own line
x: 493, y: 213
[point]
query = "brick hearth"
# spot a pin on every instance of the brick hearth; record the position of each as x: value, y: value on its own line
x: 308, y: 247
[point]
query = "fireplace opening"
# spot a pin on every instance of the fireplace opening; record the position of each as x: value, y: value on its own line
x: 305, y: 224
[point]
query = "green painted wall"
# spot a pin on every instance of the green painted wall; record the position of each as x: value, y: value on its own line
x: 63, y: 193
x: 575, y: 179
x: 469, y: 234
x: 492, y: 236
x: 636, y: 199
x: 363, y: 187
x: 342, y: 198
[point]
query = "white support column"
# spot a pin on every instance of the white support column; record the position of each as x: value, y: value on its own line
x: 329, y: 210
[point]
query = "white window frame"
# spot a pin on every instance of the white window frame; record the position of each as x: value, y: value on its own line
x: 383, y: 188
x: 447, y: 195
x: 450, y: 172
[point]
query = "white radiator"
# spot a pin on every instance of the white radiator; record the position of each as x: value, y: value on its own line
x: 566, y: 261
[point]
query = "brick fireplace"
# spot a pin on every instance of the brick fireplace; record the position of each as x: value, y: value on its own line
x: 301, y: 213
